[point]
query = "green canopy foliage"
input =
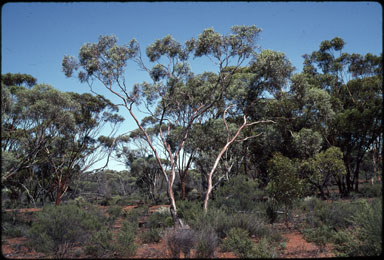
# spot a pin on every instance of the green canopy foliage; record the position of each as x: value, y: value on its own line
x: 49, y: 136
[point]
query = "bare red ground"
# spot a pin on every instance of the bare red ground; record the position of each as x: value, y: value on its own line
x: 297, y: 247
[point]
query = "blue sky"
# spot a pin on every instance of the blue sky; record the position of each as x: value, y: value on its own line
x: 36, y: 36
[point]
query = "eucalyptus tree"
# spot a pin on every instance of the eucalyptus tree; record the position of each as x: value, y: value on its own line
x: 175, y: 97
x: 28, y: 125
x: 284, y: 183
x: 259, y: 91
x: 48, y: 137
x: 81, y: 146
x: 148, y: 176
x: 18, y: 79
x: 354, y: 83
x: 323, y: 169
x: 206, y: 141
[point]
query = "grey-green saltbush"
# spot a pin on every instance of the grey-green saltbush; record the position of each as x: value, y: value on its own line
x: 180, y: 240
x: 206, y: 244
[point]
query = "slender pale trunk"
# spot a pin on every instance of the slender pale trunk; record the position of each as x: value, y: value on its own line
x: 209, y: 189
x: 229, y: 142
x: 59, y: 192
x: 177, y: 221
x: 169, y: 181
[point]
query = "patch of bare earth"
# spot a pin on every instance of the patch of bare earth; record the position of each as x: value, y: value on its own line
x: 297, y: 247
x: 15, y: 248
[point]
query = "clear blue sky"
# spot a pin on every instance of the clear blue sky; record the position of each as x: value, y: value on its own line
x: 36, y: 36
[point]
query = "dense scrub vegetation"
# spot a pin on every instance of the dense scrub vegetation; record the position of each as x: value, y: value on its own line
x: 231, y: 152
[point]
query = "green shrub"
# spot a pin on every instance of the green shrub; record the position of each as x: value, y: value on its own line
x: 239, y: 194
x: 368, y: 225
x: 221, y: 222
x: 11, y: 231
x: 271, y: 211
x: 345, y: 244
x: 58, y: 228
x: 80, y: 201
x: 115, y: 200
x: 115, y: 211
x: 106, y: 201
x: 206, y: 244
x: 217, y: 219
x: 338, y: 214
x: 134, y: 214
x: 334, y: 214
x: 263, y: 249
x: 273, y: 235
x: 159, y: 220
x: 358, y: 225
x: 190, y: 211
x: 125, y: 243
x: 239, y: 242
x: 320, y: 235
x: 250, y: 222
x: 371, y: 191
x: 127, y: 200
x: 193, y: 214
x: 13, y: 224
x: 151, y: 235
x: 284, y: 185
x: 100, y: 244
x: 142, y: 210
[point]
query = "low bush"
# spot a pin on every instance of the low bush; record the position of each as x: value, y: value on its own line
x: 159, y: 220
x: 355, y: 228
x: 239, y: 242
x: 345, y: 244
x: 13, y: 224
x: 100, y: 244
x: 115, y: 211
x: 366, y: 237
x: 371, y: 190
x: 80, y: 201
x: 250, y: 222
x: 125, y: 243
x: 134, y: 214
x: 151, y: 235
x: 221, y: 221
x: 58, y: 228
x: 180, y: 240
x: 264, y: 249
x: 271, y: 211
x: 334, y: 214
x: 273, y: 236
x: 11, y: 231
x: 239, y: 194
x: 320, y: 235
x: 206, y: 244
x: 193, y: 214
x: 190, y: 211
